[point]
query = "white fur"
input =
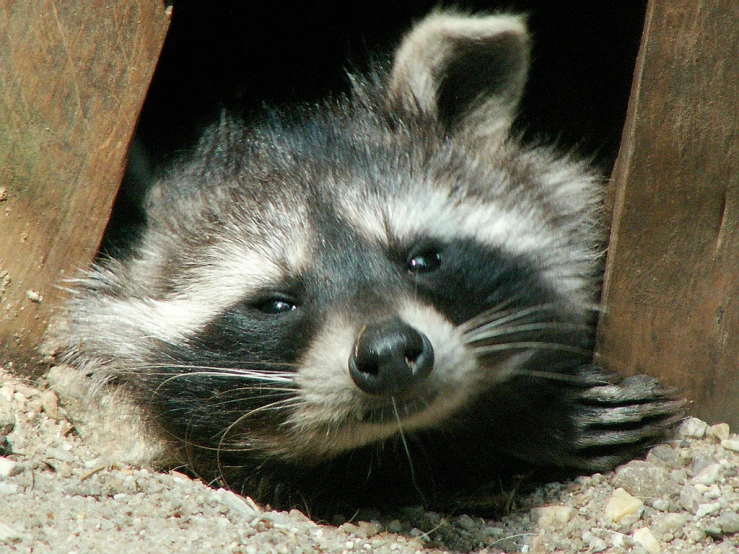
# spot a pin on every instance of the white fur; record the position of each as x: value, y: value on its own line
x: 431, y: 45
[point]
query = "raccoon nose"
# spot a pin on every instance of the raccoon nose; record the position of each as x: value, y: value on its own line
x: 389, y: 357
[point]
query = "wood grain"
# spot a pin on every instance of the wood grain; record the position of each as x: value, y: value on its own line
x: 671, y: 293
x: 73, y: 77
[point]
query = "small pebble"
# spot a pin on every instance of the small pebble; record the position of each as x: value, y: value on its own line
x: 237, y: 503
x: 708, y: 475
x: 50, y: 404
x: 596, y: 544
x: 645, y: 538
x: 34, y: 296
x: 707, y: 509
x: 692, y: 428
x: 728, y: 522
x: 713, y: 532
x: 552, y: 516
x: 645, y: 480
x: 395, y: 526
x: 661, y: 504
x: 719, y: 431
x: 671, y: 522
x: 666, y: 454
x: 621, y: 540
x: 689, y: 498
x: 731, y: 444
x: 7, y: 467
x: 59, y: 454
x: 621, y: 505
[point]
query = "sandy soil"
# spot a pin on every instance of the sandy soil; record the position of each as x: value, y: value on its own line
x: 57, y: 494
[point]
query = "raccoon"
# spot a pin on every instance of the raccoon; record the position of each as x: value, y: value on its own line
x: 382, y: 298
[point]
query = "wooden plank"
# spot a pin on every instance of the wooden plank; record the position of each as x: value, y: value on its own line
x: 671, y: 292
x: 73, y: 77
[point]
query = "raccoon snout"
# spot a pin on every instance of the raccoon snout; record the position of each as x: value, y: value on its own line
x: 389, y: 357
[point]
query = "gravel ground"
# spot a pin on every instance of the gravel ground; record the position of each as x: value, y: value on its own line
x: 56, y: 495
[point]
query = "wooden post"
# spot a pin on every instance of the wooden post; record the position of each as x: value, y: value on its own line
x: 671, y: 292
x: 73, y: 77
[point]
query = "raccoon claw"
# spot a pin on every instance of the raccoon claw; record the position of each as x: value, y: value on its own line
x: 617, y: 421
x: 639, y: 389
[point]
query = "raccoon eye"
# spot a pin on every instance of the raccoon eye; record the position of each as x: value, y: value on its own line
x: 424, y: 261
x: 276, y: 306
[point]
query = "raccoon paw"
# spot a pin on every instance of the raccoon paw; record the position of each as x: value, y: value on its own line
x: 615, y: 421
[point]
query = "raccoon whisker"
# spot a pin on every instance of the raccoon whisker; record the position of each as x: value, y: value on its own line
x: 505, y: 305
x: 277, y: 405
x: 535, y: 345
x: 225, y: 399
x: 278, y: 393
x: 222, y: 443
x: 171, y: 378
x: 500, y: 317
x: 272, y: 406
x: 255, y: 376
x: 234, y: 367
x: 489, y: 331
x: 553, y: 376
x: 407, y: 450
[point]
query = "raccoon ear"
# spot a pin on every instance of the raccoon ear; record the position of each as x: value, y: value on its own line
x: 462, y: 70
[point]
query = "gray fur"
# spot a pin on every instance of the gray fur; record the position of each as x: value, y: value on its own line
x: 300, y: 232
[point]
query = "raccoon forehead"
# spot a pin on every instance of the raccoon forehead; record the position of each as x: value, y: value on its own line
x: 230, y: 270
x: 437, y: 214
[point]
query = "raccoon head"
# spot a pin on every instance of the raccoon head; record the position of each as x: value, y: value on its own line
x: 341, y: 274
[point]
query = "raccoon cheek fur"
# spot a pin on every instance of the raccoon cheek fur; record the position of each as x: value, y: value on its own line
x: 382, y: 297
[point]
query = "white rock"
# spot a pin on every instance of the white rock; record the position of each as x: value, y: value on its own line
x: 728, y: 522
x: 720, y: 431
x: 706, y: 509
x: 645, y: 538
x: 692, y: 428
x: 237, y: 503
x: 671, y: 522
x: 731, y: 444
x: 552, y: 516
x: 661, y: 504
x: 708, y: 475
x: 7, y: 467
x: 597, y: 544
x: 689, y: 498
x: 619, y: 540
x: 621, y: 505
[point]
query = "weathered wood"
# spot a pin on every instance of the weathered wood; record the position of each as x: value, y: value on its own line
x: 671, y: 293
x: 73, y: 77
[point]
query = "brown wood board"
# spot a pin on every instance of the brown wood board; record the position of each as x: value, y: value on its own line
x: 672, y: 279
x: 73, y: 77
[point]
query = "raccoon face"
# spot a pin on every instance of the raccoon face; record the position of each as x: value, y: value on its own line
x: 342, y: 275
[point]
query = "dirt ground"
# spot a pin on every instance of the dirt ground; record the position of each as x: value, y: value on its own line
x: 58, y: 495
